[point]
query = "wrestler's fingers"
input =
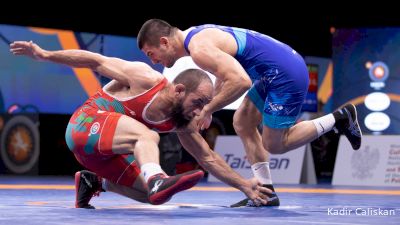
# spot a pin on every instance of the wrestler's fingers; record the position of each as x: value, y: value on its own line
x: 264, y: 190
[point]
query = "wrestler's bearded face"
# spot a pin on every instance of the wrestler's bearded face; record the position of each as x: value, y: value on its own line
x: 188, y: 107
x: 178, y: 115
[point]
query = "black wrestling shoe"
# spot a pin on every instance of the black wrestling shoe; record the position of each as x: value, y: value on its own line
x: 87, y: 185
x: 347, y: 124
x: 162, y: 187
x: 273, y: 200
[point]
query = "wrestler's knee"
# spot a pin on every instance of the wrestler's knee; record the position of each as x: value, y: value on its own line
x: 240, y: 124
x: 150, y: 135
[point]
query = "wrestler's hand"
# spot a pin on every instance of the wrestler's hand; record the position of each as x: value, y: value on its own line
x: 191, y: 127
x: 26, y: 48
x: 256, y: 192
x: 204, y: 119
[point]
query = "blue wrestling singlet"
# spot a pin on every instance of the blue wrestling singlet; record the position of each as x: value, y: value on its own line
x: 279, y: 74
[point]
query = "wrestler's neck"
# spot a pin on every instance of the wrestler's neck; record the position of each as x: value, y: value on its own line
x: 180, y: 39
x: 161, y: 107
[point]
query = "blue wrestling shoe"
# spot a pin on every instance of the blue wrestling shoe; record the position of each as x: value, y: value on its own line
x: 347, y: 124
x: 273, y: 200
x: 162, y: 187
x: 87, y: 185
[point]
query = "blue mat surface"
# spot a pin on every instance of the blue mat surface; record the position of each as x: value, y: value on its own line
x: 50, y: 200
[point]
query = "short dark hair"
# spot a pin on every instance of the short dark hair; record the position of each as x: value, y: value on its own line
x: 152, y: 30
x: 191, y: 78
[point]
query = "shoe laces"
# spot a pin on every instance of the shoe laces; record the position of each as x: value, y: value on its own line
x: 96, y: 193
x: 250, y: 203
x: 99, y: 189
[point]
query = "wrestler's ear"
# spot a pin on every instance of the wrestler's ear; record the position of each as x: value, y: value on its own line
x: 164, y: 41
x: 180, y: 90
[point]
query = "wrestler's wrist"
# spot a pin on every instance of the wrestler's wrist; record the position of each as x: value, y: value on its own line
x: 244, y: 185
x: 44, y: 55
x: 207, y: 110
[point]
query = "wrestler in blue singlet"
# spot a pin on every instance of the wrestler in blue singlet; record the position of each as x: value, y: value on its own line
x: 279, y: 74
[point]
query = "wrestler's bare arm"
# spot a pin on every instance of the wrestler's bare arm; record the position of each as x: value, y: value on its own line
x: 195, y: 144
x: 123, y: 71
x: 214, y: 55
